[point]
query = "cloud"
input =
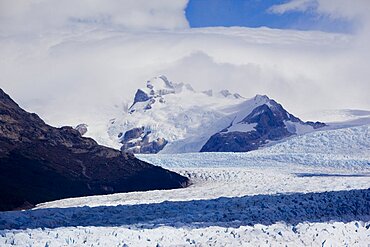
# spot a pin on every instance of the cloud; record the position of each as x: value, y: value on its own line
x: 294, y: 5
x: 350, y: 69
x: 107, y: 67
x: 41, y: 15
x: 356, y: 10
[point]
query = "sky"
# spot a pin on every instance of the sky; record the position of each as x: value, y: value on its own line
x: 82, y: 61
x: 257, y: 13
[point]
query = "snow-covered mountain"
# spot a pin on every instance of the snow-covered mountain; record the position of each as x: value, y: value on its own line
x: 267, y: 122
x: 172, y: 117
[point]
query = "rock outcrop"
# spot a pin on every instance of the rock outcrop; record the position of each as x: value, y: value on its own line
x: 82, y: 129
x: 137, y: 140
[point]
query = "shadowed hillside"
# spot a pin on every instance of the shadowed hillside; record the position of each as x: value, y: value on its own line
x: 40, y: 163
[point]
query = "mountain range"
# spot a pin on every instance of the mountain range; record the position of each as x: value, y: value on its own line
x: 169, y: 117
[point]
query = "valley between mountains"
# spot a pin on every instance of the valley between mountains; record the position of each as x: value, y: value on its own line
x: 301, y: 183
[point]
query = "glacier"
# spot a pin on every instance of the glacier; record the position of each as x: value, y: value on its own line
x: 311, y: 189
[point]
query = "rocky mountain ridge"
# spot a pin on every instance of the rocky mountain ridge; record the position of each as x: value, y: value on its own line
x: 267, y: 122
x: 41, y: 163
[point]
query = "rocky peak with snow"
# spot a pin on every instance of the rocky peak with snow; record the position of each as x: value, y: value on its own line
x: 172, y: 117
x: 267, y: 122
x: 155, y: 92
x: 158, y: 88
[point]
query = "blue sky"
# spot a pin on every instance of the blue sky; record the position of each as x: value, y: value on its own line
x: 254, y: 13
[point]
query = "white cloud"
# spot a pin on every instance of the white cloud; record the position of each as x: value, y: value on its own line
x: 348, y: 9
x: 293, y: 5
x: 41, y: 15
x: 350, y: 71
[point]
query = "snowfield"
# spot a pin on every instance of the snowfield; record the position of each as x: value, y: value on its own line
x: 311, y: 190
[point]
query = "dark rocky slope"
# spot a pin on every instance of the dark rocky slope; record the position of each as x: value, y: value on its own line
x: 41, y: 163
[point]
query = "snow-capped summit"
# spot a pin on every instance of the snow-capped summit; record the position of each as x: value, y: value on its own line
x: 170, y: 117
x: 155, y: 91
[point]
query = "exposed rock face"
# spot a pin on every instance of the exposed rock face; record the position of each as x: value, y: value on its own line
x: 137, y: 140
x: 316, y: 125
x: 41, y: 163
x: 140, y: 96
x: 133, y: 134
x: 270, y: 121
x: 82, y: 129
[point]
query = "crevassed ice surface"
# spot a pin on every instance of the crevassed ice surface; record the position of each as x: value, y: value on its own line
x: 310, y: 190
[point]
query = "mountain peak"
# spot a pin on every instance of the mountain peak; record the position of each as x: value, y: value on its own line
x: 267, y: 121
x: 158, y: 88
x: 261, y: 98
